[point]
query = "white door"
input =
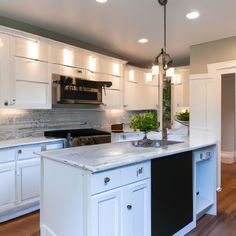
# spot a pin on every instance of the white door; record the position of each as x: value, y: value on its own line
x: 106, y: 214
x: 7, y: 185
x: 28, y: 181
x: 136, y: 209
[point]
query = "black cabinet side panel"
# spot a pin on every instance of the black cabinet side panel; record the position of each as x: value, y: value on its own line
x: 172, y: 193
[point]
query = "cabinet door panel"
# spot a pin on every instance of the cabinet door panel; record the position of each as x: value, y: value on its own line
x: 32, y: 95
x: 5, y: 82
x: 7, y: 184
x: 32, y: 49
x: 136, y: 209
x: 112, y: 99
x: 30, y: 70
x: 29, y: 172
x: 106, y: 214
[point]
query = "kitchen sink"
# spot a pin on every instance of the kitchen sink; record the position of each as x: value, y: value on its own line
x: 154, y: 143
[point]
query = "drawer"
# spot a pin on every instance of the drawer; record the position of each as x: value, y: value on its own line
x: 203, y: 155
x: 106, y: 180
x: 52, y: 146
x: 7, y: 155
x: 134, y: 173
x: 28, y: 152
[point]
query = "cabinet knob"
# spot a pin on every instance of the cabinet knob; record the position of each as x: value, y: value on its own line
x: 6, y: 103
x: 129, y: 207
x: 19, y: 151
x: 107, y: 180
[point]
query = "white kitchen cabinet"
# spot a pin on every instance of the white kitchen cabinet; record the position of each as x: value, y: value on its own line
x: 67, y: 71
x: 115, y: 202
x: 32, y: 84
x: 64, y: 54
x: 31, y: 47
x: 6, y: 96
x: 112, y: 99
x: 7, y: 185
x: 136, y: 209
x: 140, y: 94
x: 28, y: 177
x: 106, y: 216
x: 20, y: 178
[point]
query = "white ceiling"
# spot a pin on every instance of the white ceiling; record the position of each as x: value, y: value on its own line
x: 118, y: 24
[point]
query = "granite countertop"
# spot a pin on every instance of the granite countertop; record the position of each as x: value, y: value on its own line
x: 26, y: 141
x: 102, y: 157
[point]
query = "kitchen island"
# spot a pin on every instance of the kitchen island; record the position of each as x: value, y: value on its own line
x: 119, y: 189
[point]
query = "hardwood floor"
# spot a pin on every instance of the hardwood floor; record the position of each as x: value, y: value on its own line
x: 222, y: 225
x: 27, y: 225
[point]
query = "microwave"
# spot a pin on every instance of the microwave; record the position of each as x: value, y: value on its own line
x: 73, y: 90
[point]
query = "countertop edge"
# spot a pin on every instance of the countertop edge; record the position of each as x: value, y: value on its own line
x: 126, y: 162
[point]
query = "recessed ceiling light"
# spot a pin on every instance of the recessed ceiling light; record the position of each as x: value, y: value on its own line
x: 143, y: 40
x: 101, y: 1
x: 193, y: 15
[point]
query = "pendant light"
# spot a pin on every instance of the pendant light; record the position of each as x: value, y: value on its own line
x: 163, y: 59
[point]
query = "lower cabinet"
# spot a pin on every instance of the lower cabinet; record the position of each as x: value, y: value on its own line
x: 7, y: 186
x: 20, y: 178
x: 123, y: 211
x: 106, y: 217
x: 28, y: 177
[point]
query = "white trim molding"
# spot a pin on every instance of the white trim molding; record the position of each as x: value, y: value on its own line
x: 227, y: 157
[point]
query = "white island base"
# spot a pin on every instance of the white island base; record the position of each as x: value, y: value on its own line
x: 117, y: 201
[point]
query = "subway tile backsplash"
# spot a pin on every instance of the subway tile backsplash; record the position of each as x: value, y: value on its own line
x: 25, y: 123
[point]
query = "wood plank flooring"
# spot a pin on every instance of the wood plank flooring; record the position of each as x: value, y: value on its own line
x: 222, y: 225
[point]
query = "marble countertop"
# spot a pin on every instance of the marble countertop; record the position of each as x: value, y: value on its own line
x: 26, y: 141
x: 102, y: 157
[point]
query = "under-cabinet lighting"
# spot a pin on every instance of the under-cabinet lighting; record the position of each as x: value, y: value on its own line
x: 92, y: 63
x: 13, y: 111
x: 116, y: 69
x: 33, y: 50
x: 131, y: 75
x: 148, y: 77
x: 155, y: 70
x: 170, y: 72
x: 176, y: 79
x: 67, y: 57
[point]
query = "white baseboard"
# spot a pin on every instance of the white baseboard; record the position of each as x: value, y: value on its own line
x: 227, y: 157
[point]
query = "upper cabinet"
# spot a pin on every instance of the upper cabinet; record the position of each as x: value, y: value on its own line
x: 5, y: 83
x: 140, y: 89
x: 31, y: 48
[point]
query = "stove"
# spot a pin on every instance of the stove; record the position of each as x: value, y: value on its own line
x: 80, y: 137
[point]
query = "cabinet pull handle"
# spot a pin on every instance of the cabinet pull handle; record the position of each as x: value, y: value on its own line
x: 19, y: 151
x: 139, y: 171
x: 6, y: 103
x: 129, y: 207
x: 107, y: 180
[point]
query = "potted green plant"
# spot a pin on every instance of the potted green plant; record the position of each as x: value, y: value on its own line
x: 145, y: 122
x: 183, y: 117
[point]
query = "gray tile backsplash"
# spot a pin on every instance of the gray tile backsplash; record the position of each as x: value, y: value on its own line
x: 25, y: 123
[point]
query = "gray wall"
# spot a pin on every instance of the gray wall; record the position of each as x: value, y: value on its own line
x: 228, y: 113
x: 211, y: 52
x: 55, y: 36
